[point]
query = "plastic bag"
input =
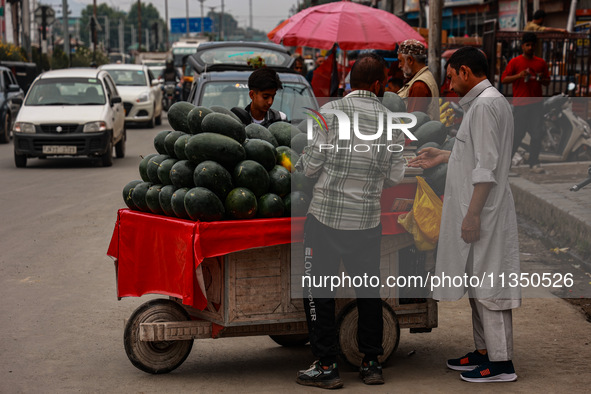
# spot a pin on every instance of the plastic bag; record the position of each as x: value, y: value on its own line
x: 424, y: 220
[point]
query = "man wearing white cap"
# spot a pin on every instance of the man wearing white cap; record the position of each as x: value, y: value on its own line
x: 412, y: 57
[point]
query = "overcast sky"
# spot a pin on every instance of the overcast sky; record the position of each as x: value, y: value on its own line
x: 266, y: 13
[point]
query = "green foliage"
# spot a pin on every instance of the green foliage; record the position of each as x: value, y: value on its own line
x: 59, y: 59
x: 12, y: 52
x: 41, y: 60
x: 83, y: 57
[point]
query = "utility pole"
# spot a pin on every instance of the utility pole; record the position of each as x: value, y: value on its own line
x: 202, y: 19
x: 121, y: 36
x: 187, y: 15
x: 66, y: 28
x: 222, y: 23
x: 107, y: 33
x: 147, y: 31
x: 435, y: 11
x: 93, y: 29
x: 139, y: 26
x: 133, y: 36
x: 14, y: 11
x: 166, y: 20
x: 250, y: 14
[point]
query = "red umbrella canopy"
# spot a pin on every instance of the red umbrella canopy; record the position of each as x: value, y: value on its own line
x: 351, y: 25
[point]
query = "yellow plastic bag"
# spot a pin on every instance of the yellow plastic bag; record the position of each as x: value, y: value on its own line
x: 424, y: 220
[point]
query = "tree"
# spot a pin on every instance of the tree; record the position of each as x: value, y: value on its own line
x: 150, y: 15
x: 103, y: 11
x: 229, y: 23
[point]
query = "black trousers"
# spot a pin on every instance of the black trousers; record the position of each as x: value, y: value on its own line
x: 529, y: 118
x: 359, y: 250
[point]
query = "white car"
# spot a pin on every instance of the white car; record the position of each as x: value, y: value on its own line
x: 73, y: 112
x: 140, y: 91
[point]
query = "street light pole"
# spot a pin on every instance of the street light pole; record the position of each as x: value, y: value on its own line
x: 166, y: 18
x: 202, y: 20
x: 187, y: 12
x: 66, y: 29
x: 434, y: 51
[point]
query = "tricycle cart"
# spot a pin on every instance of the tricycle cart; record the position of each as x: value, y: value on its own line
x: 233, y: 278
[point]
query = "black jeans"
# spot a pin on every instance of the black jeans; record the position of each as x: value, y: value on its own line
x: 529, y: 118
x: 360, y: 252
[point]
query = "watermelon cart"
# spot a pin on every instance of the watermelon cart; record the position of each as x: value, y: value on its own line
x: 233, y: 278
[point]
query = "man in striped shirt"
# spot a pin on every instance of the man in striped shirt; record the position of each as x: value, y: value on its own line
x: 343, y: 221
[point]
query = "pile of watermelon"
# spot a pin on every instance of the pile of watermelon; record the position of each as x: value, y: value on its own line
x: 211, y: 167
x: 429, y: 133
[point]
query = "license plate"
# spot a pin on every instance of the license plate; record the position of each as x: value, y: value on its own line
x: 59, y: 150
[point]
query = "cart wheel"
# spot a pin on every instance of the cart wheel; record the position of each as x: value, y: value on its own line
x: 347, y: 333
x: 291, y: 340
x: 156, y: 357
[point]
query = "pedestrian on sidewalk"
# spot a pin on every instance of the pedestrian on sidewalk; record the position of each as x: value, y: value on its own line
x: 343, y: 221
x: 528, y: 73
x: 536, y: 24
x: 478, y: 235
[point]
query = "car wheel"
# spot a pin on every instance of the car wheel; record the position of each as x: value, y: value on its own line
x: 120, y: 146
x: 20, y: 160
x: 107, y: 157
x: 159, y: 119
x: 151, y: 123
x: 5, y: 134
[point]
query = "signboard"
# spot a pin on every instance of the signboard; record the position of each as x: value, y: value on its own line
x: 49, y: 15
x: 508, y: 14
x: 413, y: 5
x: 179, y: 25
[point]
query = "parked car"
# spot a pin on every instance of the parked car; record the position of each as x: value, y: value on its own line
x: 72, y: 112
x: 140, y: 92
x: 222, y: 77
x: 11, y: 99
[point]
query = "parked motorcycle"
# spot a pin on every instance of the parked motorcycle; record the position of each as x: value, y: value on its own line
x: 567, y: 137
x: 582, y: 184
x: 170, y: 94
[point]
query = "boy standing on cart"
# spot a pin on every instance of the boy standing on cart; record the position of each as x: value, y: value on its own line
x: 343, y: 221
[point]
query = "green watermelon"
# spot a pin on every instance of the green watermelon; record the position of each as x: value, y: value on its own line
x: 287, y: 157
x: 436, y: 178
x: 225, y: 125
x: 422, y: 118
x: 251, y: 175
x: 303, y: 126
x: 299, y: 142
x: 178, y: 203
x: 181, y: 174
x: 165, y: 198
x: 241, y: 203
x: 283, y: 132
x: 180, y: 145
x: 432, y: 131
x: 195, y: 118
x: 178, y: 114
x: 169, y: 142
x: 300, y: 182
x: 159, y: 141
x: 449, y: 144
x: 262, y: 152
x: 256, y: 131
x: 138, y: 196
x: 270, y: 206
x: 203, y: 205
x: 127, y: 191
x: 164, y: 171
x: 296, y: 204
x: 393, y: 102
x: 153, y: 199
x: 153, y: 166
x: 280, y: 181
x: 219, y: 148
x: 429, y: 145
x: 144, y: 166
x: 213, y: 176
x: 223, y: 110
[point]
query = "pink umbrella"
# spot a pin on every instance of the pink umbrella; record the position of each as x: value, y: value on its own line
x: 350, y: 25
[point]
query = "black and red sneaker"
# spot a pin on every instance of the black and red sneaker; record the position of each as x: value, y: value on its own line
x: 492, y: 371
x: 323, y: 376
x: 468, y: 362
x: 371, y: 372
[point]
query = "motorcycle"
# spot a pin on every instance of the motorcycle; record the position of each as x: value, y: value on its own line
x: 567, y: 137
x: 170, y: 94
x: 582, y: 184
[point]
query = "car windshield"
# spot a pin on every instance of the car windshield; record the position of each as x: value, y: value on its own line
x: 66, y: 91
x: 291, y: 100
x: 128, y: 77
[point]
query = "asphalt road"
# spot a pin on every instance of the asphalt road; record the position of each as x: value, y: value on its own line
x: 61, y: 325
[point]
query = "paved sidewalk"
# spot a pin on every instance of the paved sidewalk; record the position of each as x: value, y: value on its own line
x: 546, y: 199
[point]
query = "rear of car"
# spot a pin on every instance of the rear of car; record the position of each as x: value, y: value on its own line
x: 73, y: 112
x: 223, y: 70
x: 11, y: 99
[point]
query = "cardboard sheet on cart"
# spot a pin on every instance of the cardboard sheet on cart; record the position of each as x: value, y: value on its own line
x: 159, y: 255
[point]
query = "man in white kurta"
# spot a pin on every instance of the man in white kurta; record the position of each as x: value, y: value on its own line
x: 478, y: 239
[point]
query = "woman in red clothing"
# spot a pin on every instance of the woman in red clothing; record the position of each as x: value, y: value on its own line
x: 528, y: 73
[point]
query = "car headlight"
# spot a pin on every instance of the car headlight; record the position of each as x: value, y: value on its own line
x: 143, y: 97
x: 94, y: 127
x: 23, y: 127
